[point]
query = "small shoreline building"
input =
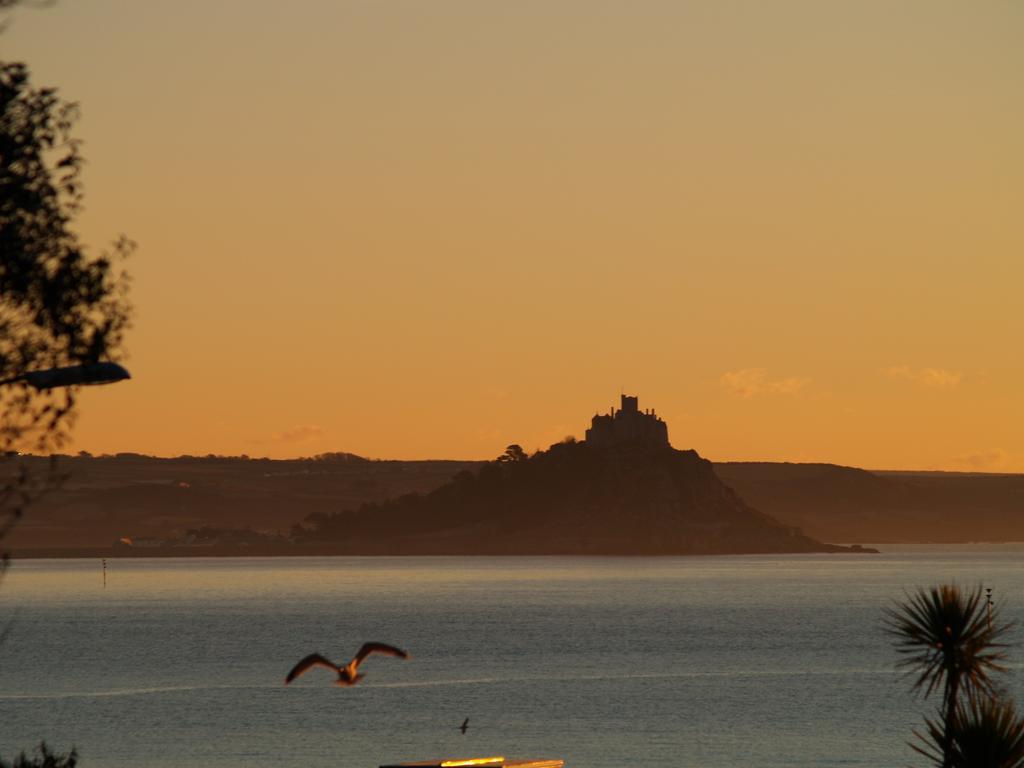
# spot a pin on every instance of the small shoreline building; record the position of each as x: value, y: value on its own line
x: 628, y: 424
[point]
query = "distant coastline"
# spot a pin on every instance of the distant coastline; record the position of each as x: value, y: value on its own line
x: 185, y: 553
x: 249, y: 507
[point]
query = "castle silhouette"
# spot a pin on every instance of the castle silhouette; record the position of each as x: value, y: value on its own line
x: 628, y: 424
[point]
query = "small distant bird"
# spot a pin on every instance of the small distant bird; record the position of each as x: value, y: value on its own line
x: 464, y: 726
x: 347, y: 674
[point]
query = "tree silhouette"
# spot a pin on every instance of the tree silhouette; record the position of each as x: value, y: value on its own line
x: 513, y: 452
x: 987, y: 733
x: 43, y: 758
x: 948, y: 642
x: 59, y: 305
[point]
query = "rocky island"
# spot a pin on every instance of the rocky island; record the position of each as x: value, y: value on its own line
x: 624, y: 490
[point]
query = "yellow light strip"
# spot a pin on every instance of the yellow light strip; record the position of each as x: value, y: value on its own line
x: 473, y: 761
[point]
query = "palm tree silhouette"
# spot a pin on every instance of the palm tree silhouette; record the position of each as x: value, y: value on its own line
x: 948, y: 642
x: 987, y: 734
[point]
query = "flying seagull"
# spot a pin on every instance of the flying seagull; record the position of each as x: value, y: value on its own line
x: 464, y: 726
x: 347, y: 674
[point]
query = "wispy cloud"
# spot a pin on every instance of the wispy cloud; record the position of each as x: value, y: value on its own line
x: 748, y: 382
x: 990, y: 459
x: 934, y: 378
x: 299, y: 434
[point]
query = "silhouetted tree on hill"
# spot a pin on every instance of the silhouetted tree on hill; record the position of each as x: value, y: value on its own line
x: 513, y: 453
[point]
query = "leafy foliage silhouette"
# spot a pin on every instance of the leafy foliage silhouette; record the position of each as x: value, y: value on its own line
x: 513, y: 453
x: 43, y: 758
x: 58, y: 305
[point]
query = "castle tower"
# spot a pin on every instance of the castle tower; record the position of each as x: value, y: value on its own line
x: 627, y: 425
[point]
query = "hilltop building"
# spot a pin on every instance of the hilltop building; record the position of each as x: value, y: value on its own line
x: 628, y: 424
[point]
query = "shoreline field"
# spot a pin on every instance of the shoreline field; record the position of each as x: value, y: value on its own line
x: 118, y: 553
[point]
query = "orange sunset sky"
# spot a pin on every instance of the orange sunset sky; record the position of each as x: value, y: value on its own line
x: 430, y: 228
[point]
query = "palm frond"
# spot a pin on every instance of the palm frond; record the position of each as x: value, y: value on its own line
x: 931, y: 744
x: 948, y: 641
x: 989, y: 734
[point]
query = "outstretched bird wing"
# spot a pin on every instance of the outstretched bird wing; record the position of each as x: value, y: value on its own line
x: 313, y: 660
x: 384, y: 648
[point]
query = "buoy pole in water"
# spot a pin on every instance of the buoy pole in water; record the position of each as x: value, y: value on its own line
x: 104, y: 573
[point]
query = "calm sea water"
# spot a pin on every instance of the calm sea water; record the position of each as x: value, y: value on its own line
x: 700, y: 661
